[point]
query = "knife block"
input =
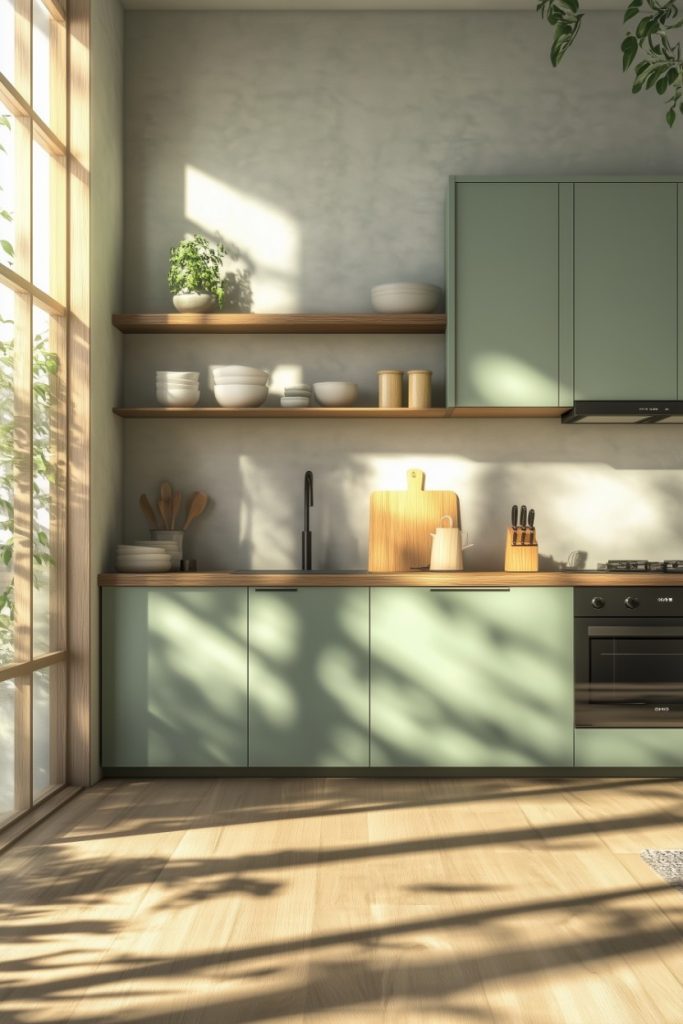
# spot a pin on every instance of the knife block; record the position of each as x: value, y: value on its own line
x: 520, y: 557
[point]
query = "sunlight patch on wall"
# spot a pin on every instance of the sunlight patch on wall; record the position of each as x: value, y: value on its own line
x: 504, y: 379
x: 271, y: 237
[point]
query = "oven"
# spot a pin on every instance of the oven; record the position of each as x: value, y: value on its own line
x: 628, y: 657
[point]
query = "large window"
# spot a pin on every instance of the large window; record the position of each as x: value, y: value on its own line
x: 33, y: 328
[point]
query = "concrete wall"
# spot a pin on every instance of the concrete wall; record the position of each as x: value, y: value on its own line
x: 322, y: 143
x: 106, y: 245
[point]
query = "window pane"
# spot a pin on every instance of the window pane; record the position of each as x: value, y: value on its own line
x: 7, y: 19
x: 7, y: 462
x: 8, y: 700
x: 8, y: 190
x: 49, y: 484
x: 49, y: 715
x: 49, y: 243
x: 48, y: 68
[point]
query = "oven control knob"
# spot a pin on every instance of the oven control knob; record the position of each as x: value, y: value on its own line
x: 598, y: 602
x: 631, y: 602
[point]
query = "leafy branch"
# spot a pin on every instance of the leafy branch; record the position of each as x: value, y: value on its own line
x: 661, y: 63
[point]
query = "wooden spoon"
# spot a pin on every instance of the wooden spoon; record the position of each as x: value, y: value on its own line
x: 198, y: 503
x: 148, y: 511
x: 175, y: 508
x: 165, y: 503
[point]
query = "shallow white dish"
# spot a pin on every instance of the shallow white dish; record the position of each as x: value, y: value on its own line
x: 143, y: 548
x: 240, y: 396
x: 405, y: 297
x: 337, y: 393
x: 297, y: 392
x: 125, y: 565
x: 189, y: 375
x: 145, y: 556
x: 294, y: 401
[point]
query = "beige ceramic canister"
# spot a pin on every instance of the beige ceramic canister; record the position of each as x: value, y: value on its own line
x: 390, y: 388
x: 419, y: 389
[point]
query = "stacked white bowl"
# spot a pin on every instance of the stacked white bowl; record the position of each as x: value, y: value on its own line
x: 177, y: 387
x: 405, y: 297
x: 239, y: 387
x: 142, y: 557
x: 296, y: 396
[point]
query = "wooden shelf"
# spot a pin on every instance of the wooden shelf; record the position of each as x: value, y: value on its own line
x: 318, y: 412
x: 275, y: 412
x: 280, y: 323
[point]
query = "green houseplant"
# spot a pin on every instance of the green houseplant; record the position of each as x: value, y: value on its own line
x: 195, y: 275
x: 661, y: 63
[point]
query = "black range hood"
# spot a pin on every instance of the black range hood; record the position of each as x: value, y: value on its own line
x: 625, y: 412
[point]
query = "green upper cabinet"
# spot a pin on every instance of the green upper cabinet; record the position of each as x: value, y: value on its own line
x: 309, y: 677
x: 625, y: 290
x: 472, y: 678
x: 174, y: 677
x: 504, y: 263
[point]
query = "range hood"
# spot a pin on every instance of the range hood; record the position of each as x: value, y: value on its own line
x: 625, y: 412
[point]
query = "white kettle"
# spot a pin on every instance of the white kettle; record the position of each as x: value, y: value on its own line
x: 447, y: 547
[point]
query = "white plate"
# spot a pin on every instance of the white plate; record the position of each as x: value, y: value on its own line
x: 135, y: 549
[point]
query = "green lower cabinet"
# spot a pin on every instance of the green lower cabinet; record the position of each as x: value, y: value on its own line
x: 174, y: 677
x: 308, y: 677
x: 629, y: 748
x: 472, y: 678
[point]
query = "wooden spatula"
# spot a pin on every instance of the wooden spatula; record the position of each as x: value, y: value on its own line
x: 198, y: 503
x: 175, y: 509
x: 148, y: 511
x: 165, y: 504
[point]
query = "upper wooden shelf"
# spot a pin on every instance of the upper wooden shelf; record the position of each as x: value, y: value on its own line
x: 158, y: 412
x: 280, y: 323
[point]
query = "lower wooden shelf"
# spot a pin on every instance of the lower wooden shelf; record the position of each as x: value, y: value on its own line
x: 319, y: 412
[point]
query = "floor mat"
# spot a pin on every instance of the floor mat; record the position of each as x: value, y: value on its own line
x: 668, y: 864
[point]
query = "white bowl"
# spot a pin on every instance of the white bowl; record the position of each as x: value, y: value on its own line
x: 305, y: 389
x: 171, y: 395
x: 162, y: 564
x: 335, y: 392
x: 240, y: 396
x: 238, y: 380
x: 226, y: 374
x: 405, y: 297
x: 178, y: 374
x: 294, y: 401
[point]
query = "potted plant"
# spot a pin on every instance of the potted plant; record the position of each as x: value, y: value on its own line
x: 195, y: 275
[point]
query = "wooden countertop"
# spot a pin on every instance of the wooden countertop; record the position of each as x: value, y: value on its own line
x: 390, y: 579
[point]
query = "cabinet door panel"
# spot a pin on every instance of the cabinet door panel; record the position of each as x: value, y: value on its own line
x: 629, y: 748
x: 174, y: 677
x: 506, y: 293
x: 308, y: 677
x: 626, y: 290
x: 471, y: 679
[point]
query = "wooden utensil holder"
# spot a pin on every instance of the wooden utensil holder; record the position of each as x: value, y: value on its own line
x: 520, y: 557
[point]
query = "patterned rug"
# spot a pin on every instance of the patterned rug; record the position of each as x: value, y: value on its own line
x: 668, y: 864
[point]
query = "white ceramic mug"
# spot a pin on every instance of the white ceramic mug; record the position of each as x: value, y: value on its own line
x: 447, y: 547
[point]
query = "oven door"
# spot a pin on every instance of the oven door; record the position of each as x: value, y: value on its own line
x: 628, y: 673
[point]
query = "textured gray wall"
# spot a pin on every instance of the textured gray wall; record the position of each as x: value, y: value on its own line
x: 323, y: 143
x: 106, y: 250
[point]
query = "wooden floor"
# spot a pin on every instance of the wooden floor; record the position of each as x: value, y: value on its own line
x: 338, y: 900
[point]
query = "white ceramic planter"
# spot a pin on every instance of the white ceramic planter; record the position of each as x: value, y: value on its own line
x: 194, y: 302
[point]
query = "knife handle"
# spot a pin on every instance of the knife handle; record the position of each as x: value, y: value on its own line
x: 530, y: 522
x: 522, y: 523
x: 515, y: 511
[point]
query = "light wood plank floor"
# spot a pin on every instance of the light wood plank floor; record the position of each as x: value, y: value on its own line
x: 336, y: 900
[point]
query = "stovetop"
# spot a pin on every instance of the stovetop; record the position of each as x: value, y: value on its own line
x: 640, y: 565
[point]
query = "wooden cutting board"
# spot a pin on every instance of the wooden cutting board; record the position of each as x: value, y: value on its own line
x: 401, y: 524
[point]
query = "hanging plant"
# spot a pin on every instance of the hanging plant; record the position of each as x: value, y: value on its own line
x: 660, y: 66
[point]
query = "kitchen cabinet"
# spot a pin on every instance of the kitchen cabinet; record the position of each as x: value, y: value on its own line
x: 309, y: 677
x: 504, y: 273
x: 625, y: 290
x: 629, y: 748
x: 472, y: 678
x: 174, y: 677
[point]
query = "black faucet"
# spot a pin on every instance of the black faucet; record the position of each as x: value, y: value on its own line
x: 306, y: 536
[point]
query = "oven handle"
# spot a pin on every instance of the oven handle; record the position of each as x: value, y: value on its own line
x: 636, y: 632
